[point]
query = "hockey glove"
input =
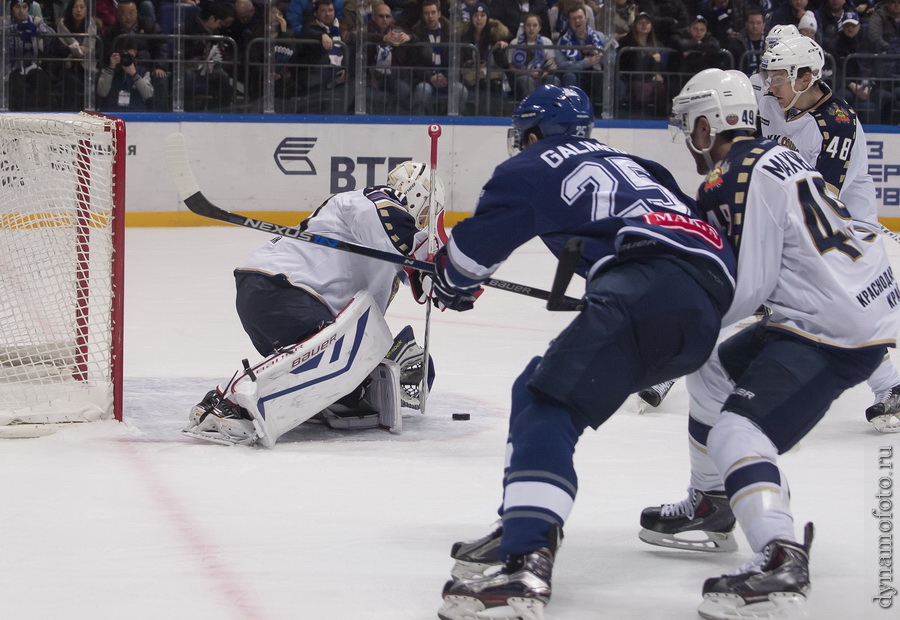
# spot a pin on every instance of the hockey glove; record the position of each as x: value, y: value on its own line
x: 445, y: 295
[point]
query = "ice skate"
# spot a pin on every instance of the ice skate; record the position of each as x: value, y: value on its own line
x: 774, y: 584
x: 701, y: 522
x: 885, y: 413
x: 519, y: 591
x: 474, y: 557
x: 655, y: 394
x: 216, y: 420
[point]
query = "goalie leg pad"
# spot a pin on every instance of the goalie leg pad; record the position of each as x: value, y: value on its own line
x: 295, y: 383
x: 379, y: 406
x: 409, y: 356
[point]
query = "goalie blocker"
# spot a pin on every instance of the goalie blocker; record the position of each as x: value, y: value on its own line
x: 311, y: 379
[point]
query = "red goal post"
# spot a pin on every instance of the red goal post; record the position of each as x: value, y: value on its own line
x: 62, y: 223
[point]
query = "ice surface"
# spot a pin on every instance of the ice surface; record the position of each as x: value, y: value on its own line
x: 136, y: 521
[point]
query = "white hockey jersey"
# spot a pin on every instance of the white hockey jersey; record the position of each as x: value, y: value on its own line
x: 371, y: 217
x: 831, y: 139
x: 825, y: 277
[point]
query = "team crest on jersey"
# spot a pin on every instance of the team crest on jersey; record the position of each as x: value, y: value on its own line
x: 714, y: 178
x: 840, y: 114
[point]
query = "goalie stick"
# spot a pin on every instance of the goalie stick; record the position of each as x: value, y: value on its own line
x: 434, y: 132
x: 565, y: 269
x: 190, y: 194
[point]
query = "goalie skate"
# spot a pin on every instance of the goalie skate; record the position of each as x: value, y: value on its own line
x: 519, y: 591
x: 885, y: 413
x: 216, y: 420
x: 774, y: 584
x: 474, y: 557
x: 701, y: 522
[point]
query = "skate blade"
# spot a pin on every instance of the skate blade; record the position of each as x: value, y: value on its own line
x: 217, y: 438
x: 780, y: 606
x: 697, y: 540
x: 457, y: 607
x: 888, y: 423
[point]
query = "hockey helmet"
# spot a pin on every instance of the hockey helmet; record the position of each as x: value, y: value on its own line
x: 413, y: 180
x: 792, y: 55
x: 725, y: 98
x: 779, y: 32
x: 551, y: 110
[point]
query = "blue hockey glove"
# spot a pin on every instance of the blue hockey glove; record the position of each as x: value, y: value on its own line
x: 445, y: 295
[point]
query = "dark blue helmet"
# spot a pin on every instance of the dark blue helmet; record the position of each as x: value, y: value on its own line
x: 551, y: 110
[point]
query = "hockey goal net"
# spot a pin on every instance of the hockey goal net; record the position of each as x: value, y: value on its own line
x: 62, y: 185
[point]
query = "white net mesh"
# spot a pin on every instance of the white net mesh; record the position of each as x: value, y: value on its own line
x: 56, y: 268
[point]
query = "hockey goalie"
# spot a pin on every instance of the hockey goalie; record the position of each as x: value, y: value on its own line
x: 316, y: 314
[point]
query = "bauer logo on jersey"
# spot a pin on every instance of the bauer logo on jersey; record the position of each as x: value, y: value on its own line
x: 692, y: 226
x: 291, y: 155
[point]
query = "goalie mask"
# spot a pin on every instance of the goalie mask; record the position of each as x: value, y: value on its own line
x: 725, y: 98
x: 413, y: 180
x: 550, y: 111
x: 794, y: 56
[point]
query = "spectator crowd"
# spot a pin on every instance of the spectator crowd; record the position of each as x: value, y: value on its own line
x: 476, y: 57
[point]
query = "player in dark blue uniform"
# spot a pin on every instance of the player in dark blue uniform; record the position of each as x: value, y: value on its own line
x: 658, y: 282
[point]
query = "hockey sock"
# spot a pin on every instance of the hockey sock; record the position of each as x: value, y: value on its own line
x: 704, y: 475
x: 885, y: 377
x: 540, y: 481
x: 756, y: 487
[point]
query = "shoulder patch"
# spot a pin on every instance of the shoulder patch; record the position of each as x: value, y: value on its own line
x: 397, y: 222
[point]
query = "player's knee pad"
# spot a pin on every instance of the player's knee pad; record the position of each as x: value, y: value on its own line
x: 756, y: 487
x: 292, y: 385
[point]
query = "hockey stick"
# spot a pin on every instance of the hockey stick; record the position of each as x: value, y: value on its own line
x: 434, y: 132
x: 190, y: 194
x: 565, y: 269
x: 890, y: 233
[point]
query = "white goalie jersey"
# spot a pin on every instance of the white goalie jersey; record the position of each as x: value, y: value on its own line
x: 371, y: 217
x: 826, y: 277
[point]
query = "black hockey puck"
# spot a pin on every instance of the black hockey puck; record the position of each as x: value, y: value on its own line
x: 461, y: 416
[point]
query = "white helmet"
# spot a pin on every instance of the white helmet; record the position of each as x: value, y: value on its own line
x: 413, y: 180
x: 779, y: 32
x: 792, y: 55
x: 725, y: 98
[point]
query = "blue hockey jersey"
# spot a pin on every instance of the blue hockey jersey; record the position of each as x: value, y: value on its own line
x: 622, y: 206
